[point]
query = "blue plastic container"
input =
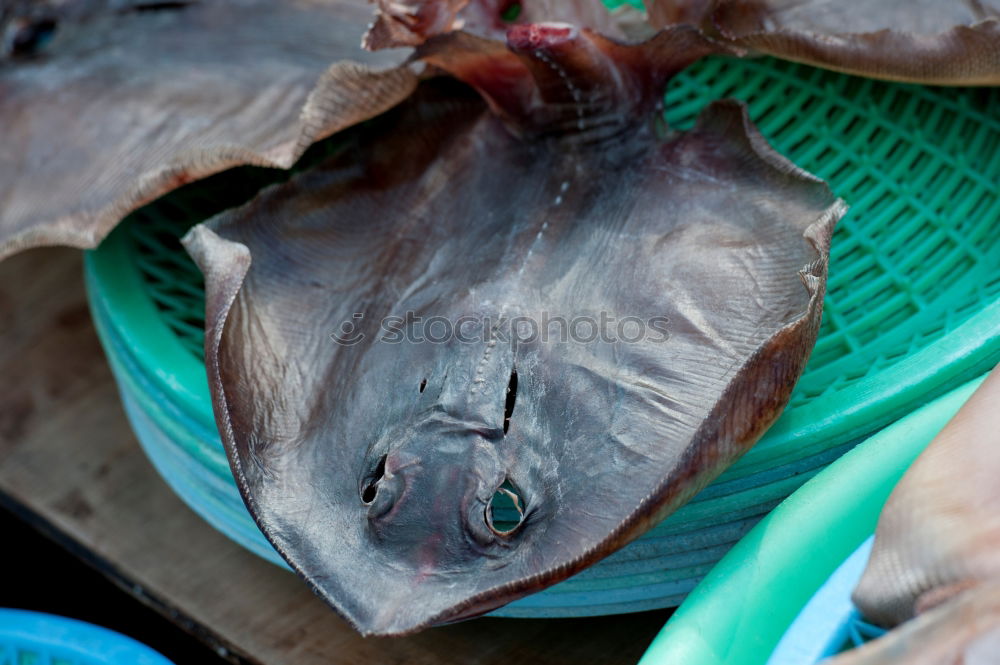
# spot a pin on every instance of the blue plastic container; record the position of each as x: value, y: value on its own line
x: 33, y: 638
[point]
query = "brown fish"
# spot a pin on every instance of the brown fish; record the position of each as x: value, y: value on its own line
x: 436, y: 460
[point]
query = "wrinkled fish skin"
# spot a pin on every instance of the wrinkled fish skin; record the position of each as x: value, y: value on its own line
x: 371, y: 465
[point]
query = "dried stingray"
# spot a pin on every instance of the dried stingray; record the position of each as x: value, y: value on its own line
x: 942, y: 42
x: 937, y: 549
x: 377, y: 464
x: 128, y: 100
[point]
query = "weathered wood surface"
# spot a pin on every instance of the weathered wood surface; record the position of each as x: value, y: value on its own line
x: 70, y: 464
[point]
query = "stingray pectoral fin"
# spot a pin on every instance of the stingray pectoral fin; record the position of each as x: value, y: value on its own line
x: 940, y: 42
x: 224, y: 264
x: 940, y: 529
x: 121, y: 107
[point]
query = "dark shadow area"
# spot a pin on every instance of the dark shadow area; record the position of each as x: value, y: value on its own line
x: 38, y: 574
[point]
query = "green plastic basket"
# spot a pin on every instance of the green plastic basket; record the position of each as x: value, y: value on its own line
x: 913, y: 309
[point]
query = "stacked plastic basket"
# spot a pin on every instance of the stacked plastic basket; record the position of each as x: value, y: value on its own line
x: 913, y: 310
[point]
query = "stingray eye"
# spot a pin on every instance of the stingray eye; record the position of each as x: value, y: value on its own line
x: 508, y: 409
x: 505, y: 511
x: 371, y: 485
x: 423, y: 384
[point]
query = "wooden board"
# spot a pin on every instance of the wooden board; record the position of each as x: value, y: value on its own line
x: 70, y: 464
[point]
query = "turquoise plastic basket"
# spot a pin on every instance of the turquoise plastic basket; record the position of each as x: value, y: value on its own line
x: 913, y: 309
x: 32, y: 638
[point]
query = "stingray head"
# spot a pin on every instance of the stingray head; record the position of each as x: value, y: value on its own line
x: 439, y: 458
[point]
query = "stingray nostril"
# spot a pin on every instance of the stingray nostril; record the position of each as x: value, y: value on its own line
x: 505, y: 511
x: 371, y: 485
x: 27, y: 37
x: 508, y: 409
